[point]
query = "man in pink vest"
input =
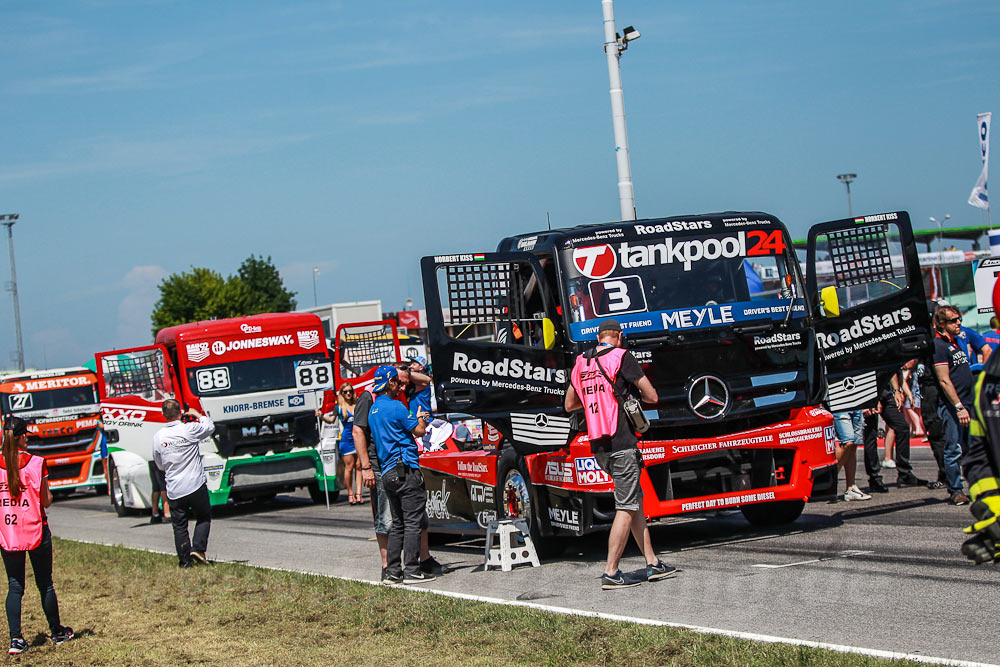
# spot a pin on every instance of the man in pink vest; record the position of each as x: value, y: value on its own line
x: 600, y: 376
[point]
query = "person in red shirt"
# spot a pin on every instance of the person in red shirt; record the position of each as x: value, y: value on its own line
x: 24, y: 495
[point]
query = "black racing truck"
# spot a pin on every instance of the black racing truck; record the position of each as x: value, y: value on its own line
x: 744, y: 354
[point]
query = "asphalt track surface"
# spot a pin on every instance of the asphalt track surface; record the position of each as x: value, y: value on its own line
x: 884, y: 574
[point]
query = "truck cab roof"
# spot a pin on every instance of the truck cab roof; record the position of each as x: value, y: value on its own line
x: 236, y: 326
x: 47, y: 373
x: 706, y: 223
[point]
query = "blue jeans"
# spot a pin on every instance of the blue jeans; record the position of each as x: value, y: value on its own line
x: 850, y: 427
x: 956, y: 439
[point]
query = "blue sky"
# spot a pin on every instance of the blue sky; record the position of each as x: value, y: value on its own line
x: 141, y: 138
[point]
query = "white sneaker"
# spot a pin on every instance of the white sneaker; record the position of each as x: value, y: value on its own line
x: 854, y: 493
x: 889, y: 464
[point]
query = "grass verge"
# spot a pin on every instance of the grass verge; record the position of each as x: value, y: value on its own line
x: 134, y: 607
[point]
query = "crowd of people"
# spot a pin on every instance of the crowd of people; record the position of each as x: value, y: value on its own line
x: 928, y: 398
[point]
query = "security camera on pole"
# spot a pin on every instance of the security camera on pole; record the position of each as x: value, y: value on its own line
x: 614, y: 45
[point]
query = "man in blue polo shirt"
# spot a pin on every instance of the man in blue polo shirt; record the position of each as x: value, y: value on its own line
x: 393, y: 430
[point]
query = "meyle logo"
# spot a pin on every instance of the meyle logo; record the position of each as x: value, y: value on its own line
x: 600, y: 261
x: 197, y: 351
x: 220, y: 347
x: 308, y: 339
x: 561, y: 518
x: 864, y: 326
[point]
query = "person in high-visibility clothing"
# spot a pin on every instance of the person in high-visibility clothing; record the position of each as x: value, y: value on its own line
x: 24, y: 495
x: 981, y: 464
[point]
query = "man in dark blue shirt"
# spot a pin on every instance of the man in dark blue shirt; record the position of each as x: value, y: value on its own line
x: 951, y: 365
x: 393, y: 430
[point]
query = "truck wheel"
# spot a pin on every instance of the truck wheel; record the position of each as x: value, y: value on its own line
x: 515, y: 502
x: 319, y: 497
x: 101, y: 489
x: 118, y: 493
x: 773, y: 514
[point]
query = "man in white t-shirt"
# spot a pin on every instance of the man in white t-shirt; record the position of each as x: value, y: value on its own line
x: 177, y: 452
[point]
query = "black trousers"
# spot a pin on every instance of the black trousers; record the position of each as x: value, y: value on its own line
x: 194, y: 505
x: 404, y: 487
x: 41, y: 564
x: 933, y: 425
x: 895, y: 420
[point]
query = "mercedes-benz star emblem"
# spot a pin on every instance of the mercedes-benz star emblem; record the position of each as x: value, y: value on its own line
x: 541, y: 420
x: 849, y: 384
x: 708, y: 397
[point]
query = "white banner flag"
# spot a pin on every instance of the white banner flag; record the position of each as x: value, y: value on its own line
x: 980, y: 196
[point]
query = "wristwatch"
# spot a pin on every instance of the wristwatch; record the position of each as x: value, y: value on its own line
x: 959, y: 406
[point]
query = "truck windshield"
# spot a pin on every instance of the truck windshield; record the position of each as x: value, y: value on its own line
x: 680, y: 283
x: 67, y: 400
x: 246, y: 377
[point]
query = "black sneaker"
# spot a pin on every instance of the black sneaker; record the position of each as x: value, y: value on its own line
x: 391, y: 578
x: 936, y: 485
x: 418, y: 578
x: 910, y: 480
x: 17, y: 646
x: 610, y: 582
x: 430, y: 566
x: 877, y: 486
x: 659, y: 571
x: 156, y: 518
x: 64, y: 634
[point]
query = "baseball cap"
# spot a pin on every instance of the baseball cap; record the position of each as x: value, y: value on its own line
x: 609, y: 325
x: 420, y: 360
x: 382, y: 377
x: 16, y: 426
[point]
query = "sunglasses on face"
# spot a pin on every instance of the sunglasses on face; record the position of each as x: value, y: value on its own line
x: 952, y: 320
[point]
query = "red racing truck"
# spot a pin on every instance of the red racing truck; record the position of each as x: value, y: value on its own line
x: 62, y: 411
x: 742, y: 351
x: 260, y: 378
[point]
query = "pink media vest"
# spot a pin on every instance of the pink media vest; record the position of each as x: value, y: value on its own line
x: 21, y: 525
x: 599, y: 403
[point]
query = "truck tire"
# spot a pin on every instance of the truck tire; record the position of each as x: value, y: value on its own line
x: 101, y: 489
x: 118, y: 492
x: 773, y: 514
x: 319, y: 497
x: 515, y: 500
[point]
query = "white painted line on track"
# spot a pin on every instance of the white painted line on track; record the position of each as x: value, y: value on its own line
x: 842, y: 554
x: 569, y: 611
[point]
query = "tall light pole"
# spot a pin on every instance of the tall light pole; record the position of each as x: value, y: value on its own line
x: 614, y: 45
x: 315, y: 273
x: 947, y: 282
x: 8, y: 221
x: 847, y: 179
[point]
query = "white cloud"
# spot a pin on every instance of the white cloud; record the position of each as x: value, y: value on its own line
x: 141, y: 284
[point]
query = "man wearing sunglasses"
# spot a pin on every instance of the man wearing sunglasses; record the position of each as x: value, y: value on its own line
x: 954, y: 376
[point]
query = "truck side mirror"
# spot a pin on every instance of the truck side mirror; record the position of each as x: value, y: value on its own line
x: 828, y: 301
x: 548, y: 333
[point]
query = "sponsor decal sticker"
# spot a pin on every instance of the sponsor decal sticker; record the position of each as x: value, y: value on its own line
x: 673, y: 226
x: 250, y: 328
x: 197, y: 351
x: 219, y: 347
x: 777, y: 340
x: 588, y: 473
x: 563, y: 518
x: 296, y: 400
x: 712, y: 503
x: 437, y: 502
x: 517, y: 369
x: 559, y: 472
x: 866, y: 326
x: 266, y: 404
x: 308, y: 339
x: 55, y: 383
x: 480, y: 493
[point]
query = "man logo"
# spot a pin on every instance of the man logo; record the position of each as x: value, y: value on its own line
x: 597, y: 261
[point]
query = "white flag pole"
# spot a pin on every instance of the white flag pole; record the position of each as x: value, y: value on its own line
x: 980, y: 195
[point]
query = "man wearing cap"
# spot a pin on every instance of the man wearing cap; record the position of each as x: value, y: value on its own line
x: 599, y: 377
x: 393, y: 429
x: 418, y: 391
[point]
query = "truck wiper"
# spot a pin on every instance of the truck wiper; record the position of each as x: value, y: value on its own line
x: 788, y: 315
x: 754, y: 328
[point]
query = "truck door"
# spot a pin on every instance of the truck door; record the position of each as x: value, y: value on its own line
x: 493, y: 342
x: 864, y: 276
x: 132, y: 385
x: 360, y: 348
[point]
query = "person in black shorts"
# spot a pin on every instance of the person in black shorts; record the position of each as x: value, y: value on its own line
x: 159, y: 494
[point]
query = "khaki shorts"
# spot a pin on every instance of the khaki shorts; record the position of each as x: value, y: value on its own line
x: 623, y: 468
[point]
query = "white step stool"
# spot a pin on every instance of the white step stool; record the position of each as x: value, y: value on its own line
x: 509, y: 552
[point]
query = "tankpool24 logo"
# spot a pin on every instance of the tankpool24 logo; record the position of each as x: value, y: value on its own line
x: 600, y: 261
